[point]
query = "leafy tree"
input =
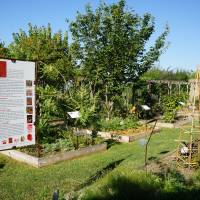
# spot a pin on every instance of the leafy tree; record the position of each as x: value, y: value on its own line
x: 109, y: 46
x: 4, y: 52
x: 55, y: 70
x: 50, y: 50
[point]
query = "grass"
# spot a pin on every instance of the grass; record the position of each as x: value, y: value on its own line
x: 20, y: 182
x: 122, y: 184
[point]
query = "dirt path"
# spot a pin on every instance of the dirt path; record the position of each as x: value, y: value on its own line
x: 167, y: 164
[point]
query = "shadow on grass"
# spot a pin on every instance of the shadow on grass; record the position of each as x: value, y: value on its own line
x: 171, y: 186
x: 152, y: 158
x: 164, y: 152
x: 2, y: 164
x: 101, y: 173
x: 111, y: 142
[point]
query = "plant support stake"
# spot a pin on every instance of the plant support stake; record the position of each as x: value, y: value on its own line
x: 147, y: 143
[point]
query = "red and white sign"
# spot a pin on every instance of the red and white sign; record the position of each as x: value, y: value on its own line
x: 3, y: 69
x: 17, y: 103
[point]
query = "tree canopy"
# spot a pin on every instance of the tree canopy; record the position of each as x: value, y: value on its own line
x: 50, y: 50
x: 110, y: 45
x: 4, y: 52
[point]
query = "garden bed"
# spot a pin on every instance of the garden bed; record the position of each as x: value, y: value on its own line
x: 68, y: 141
x: 176, y: 124
x: 127, y: 135
x: 52, y: 159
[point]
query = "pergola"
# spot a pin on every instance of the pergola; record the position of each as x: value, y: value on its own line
x: 190, y: 85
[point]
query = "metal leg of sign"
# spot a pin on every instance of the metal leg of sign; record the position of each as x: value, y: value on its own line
x: 55, y: 195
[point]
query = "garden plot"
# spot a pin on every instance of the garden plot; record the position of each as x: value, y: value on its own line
x: 70, y: 147
x: 54, y: 158
x: 127, y: 135
x: 176, y: 124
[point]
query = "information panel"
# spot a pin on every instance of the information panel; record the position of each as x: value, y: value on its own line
x: 17, y: 103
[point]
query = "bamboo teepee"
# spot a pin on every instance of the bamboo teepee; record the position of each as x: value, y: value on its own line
x: 188, y: 151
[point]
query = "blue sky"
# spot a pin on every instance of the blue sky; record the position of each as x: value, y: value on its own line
x: 183, y: 17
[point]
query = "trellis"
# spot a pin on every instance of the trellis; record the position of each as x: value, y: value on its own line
x: 171, y: 83
x: 188, y: 151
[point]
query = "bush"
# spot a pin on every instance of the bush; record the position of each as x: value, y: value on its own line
x: 69, y: 141
x: 170, y: 106
x: 59, y: 145
x: 118, y: 123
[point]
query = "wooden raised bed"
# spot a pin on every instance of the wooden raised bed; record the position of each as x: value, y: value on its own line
x: 52, y: 159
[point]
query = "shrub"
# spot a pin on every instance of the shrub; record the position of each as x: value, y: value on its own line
x: 59, y: 145
x: 118, y: 123
x: 171, y: 104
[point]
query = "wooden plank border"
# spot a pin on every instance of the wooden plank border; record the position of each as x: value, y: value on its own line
x: 52, y: 159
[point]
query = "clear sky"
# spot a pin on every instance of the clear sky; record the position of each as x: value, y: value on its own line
x: 183, y: 17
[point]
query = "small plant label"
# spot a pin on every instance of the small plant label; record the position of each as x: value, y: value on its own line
x: 145, y: 107
x: 74, y: 114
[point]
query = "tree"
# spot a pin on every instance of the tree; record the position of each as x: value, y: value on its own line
x: 50, y: 50
x: 55, y: 70
x: 109, y: 45
x: 4, y: 52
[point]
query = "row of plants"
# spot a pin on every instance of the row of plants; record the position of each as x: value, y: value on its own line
x: 67, y: 141
x: 118, y: 123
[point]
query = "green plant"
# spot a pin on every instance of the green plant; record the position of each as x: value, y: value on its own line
x: 82, y: 99
x: 48, y: 110
x: 59, y: 145
x: 109, y: 45
x: 118, y: 123
x: 157, y: 73
x: 171, y: 104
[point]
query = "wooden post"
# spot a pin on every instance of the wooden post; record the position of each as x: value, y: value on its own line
x: 198, y: 146
x: 179, y: 88
x: 149, y: 86
x: 187, y: 88
x: 168, y: 88
x: 198, y: 85
x: 147, y: 143
x: 37, y: 111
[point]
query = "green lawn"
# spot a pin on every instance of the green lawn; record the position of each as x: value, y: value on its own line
x: 20, y: 182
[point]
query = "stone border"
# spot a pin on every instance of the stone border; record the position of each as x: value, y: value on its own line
x: 114, y: 136
x: 125, y: 138
x: 52, y: 159
x: 177, y: 124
